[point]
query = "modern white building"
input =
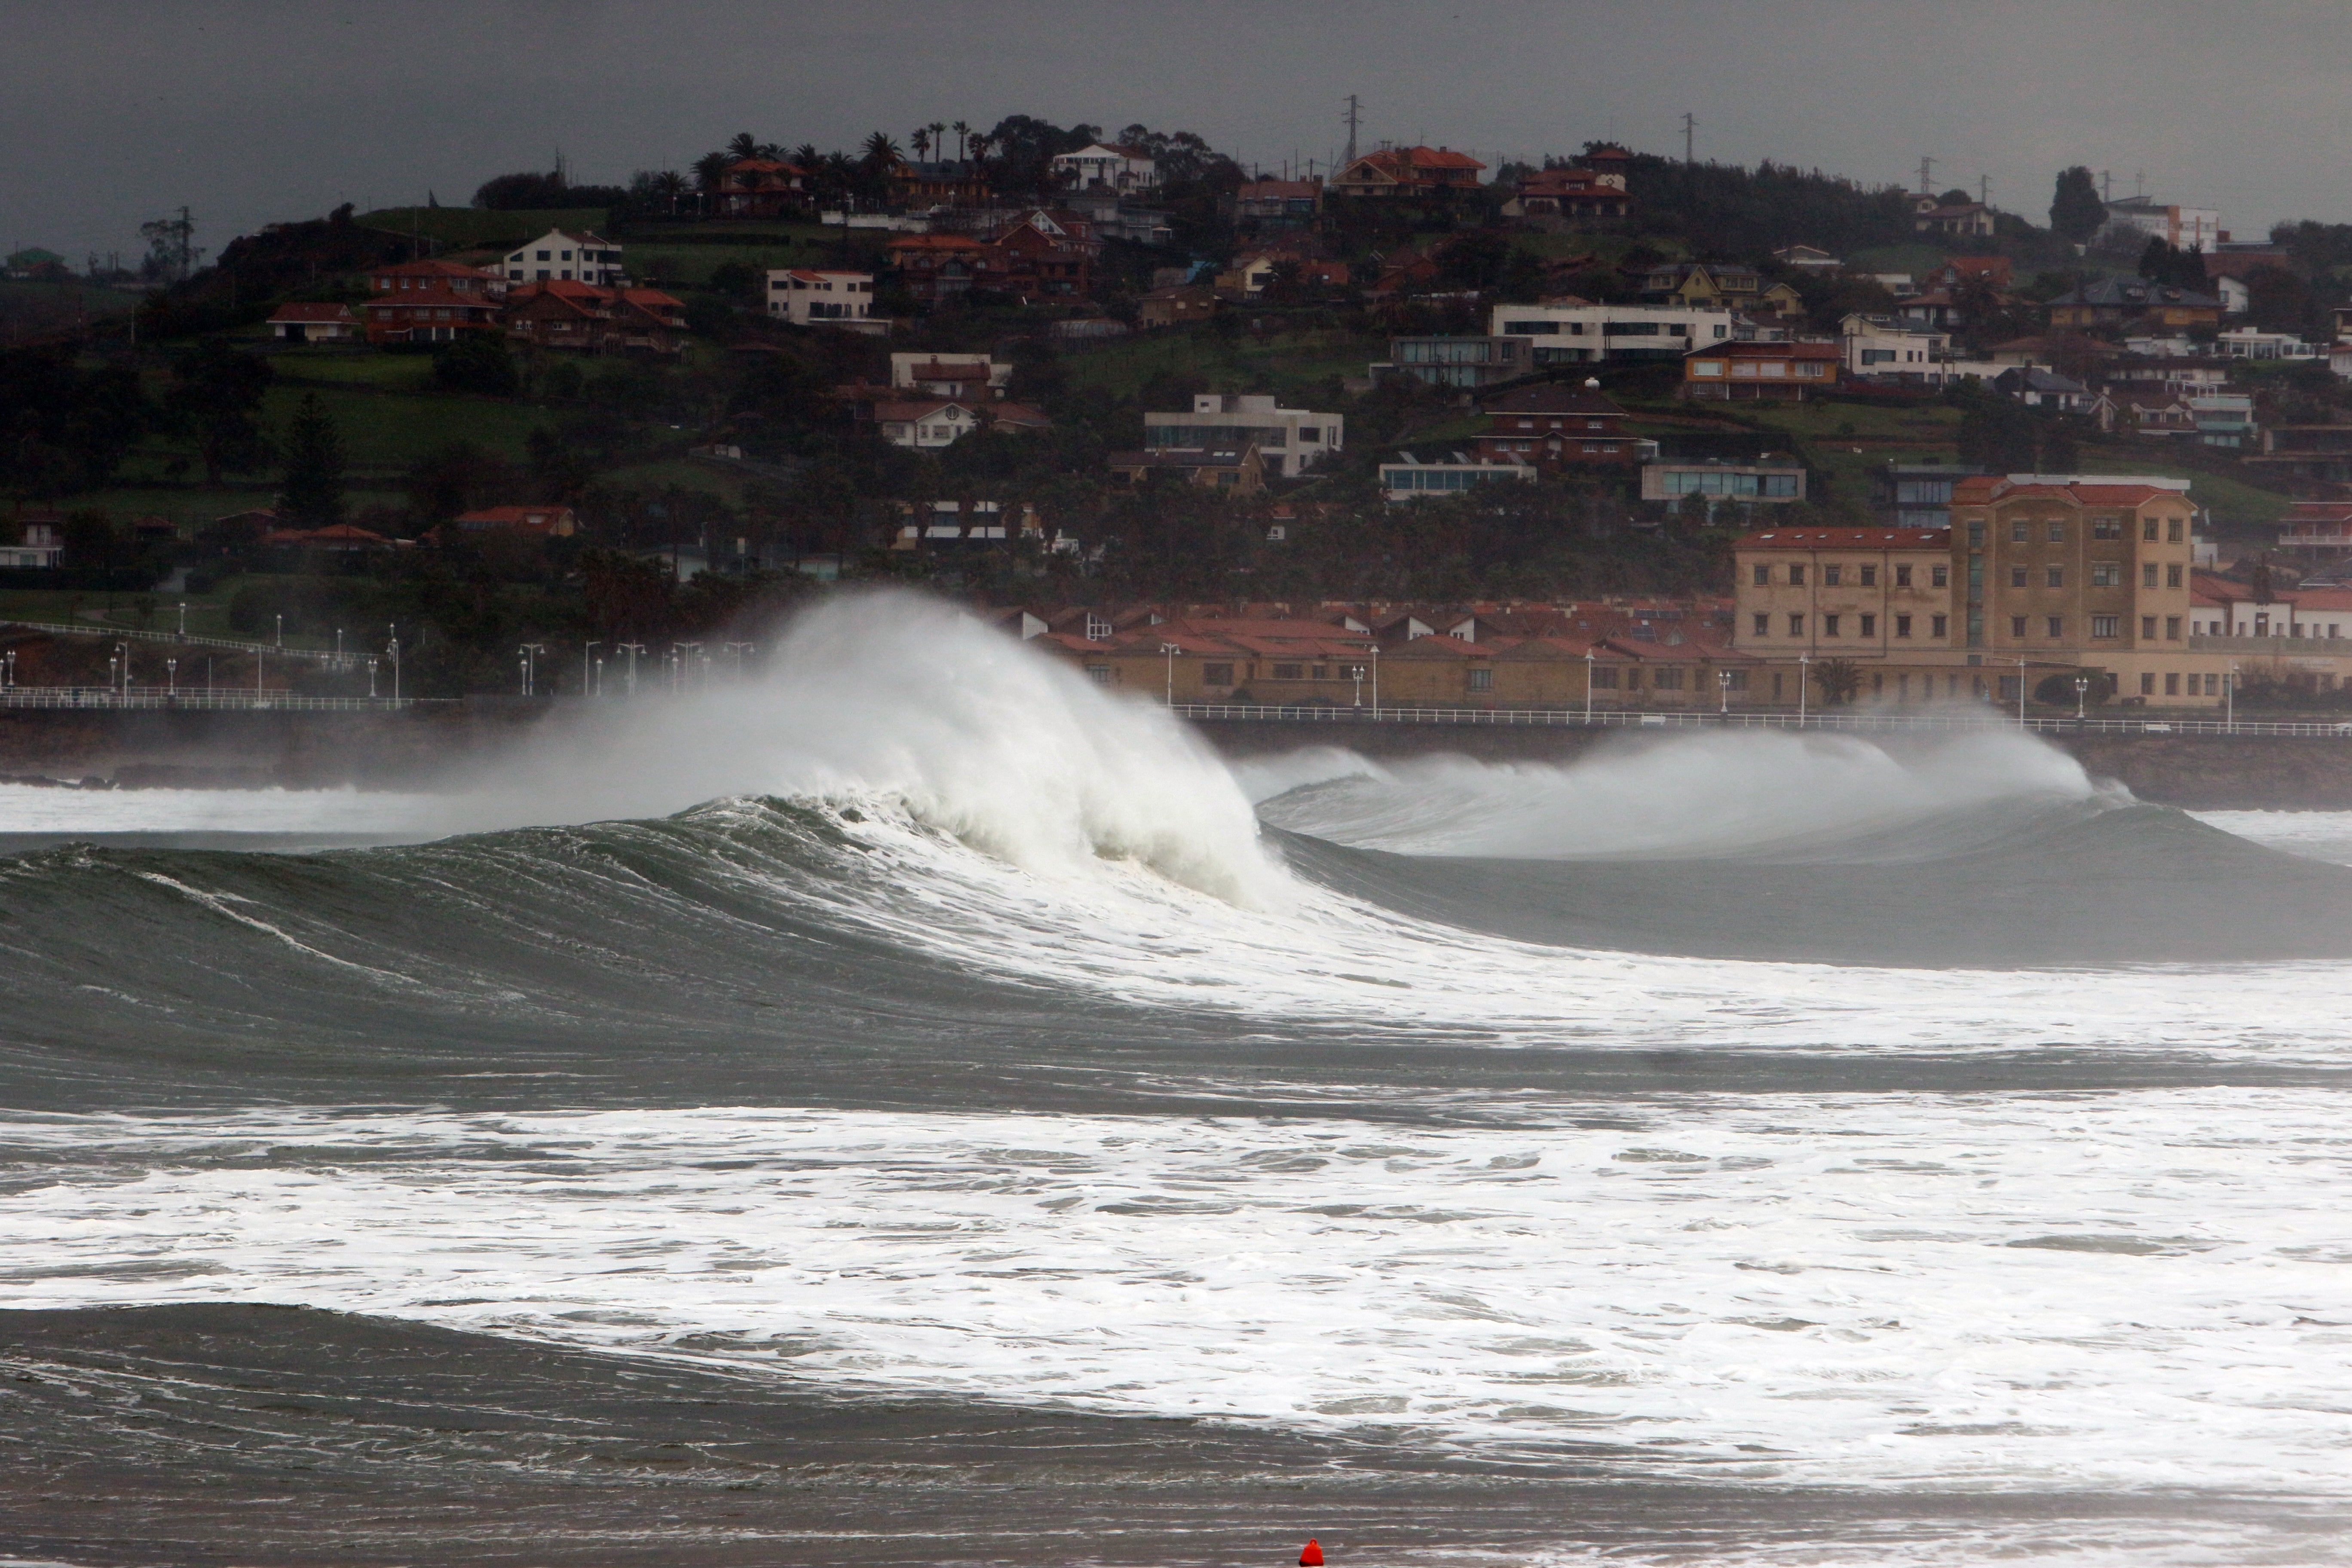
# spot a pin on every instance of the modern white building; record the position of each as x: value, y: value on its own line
x: 1287, y: 439
x: 1896, y: 353
x: 1586, y: 334
x: 556, y: 257
x: 1108, y: 168
x: 2183, y: 229
x: 811, y: 298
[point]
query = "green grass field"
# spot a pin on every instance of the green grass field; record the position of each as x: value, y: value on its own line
x: 475, y: 226
x: 1291, y: 362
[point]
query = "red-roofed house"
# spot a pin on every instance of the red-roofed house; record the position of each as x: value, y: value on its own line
x: 762, y: 187
x: 435, y: 277
x: 1569, y: 193
x: 1408, y: 171
x: 1743, y: 372
x: 314, y: 323
x: 429, y: 315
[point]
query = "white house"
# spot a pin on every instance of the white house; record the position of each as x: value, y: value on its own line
x: 937, y: 374
x: 927, y: 425
x: 314, y: 323
x: 1111, y: 168
x: 41, y: 546
x: 812, y: 299
x: 1582, y: 334
x: 1287, y: 439
x: 556, y: 257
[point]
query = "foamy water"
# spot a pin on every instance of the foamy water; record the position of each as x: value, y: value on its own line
x: 2000, y: 1290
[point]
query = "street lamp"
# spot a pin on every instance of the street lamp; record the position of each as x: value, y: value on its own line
x: 1804, y: 670
x: 2020, y: 694
x: 1723, y: 678
x: 1355, y: 674
x: 393, y: 649
x: 123, y: 659
x: 632, y: 649
x: 2229, y: 694
x: 372, y: 664
x: 530, y: 653
x: 1376, y: 681
x: 739, y: 649
x: 1590, y: 660
x: 587, y: 664
x: 184, y: 620
x: 2082, y: 696
x: 172, y: 679
x: 1170, y: 650
x: 281, y: 631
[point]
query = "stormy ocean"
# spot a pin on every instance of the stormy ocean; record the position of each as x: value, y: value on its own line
x: 919, y: 1108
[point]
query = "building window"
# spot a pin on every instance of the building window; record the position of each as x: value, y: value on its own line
x: 2017, y: 531
x: 2172, y: 576
x: 2148, y: 574
x: 2148, y: 682
x: 2017, y: 576
x: 2057, y: 531
x: 1831, y: 577
x: 1902, y: 576
x: 1940, y: 576
x: 1763, y: 624
x: 1100, y: 673
x: 2172, y: 531
x: 1902, y: 625
x: 2148, y: 627
x: 2107, y: 528
x: 1667, y: 678
x: 2017, y: 626
x: 1870, y: 576
x: 1763, y: 575
x: 2147, y: 530
x: 1216, y: 675
x: 1940, y: 626
x: 1482, y: 681
x: 2172, y: 686
x: 1830, y: 626
x: 1976, y: 532
x: 1604, y: 678
x: 2106, y: 574
x: 2106, y: 625
x: 2057, y: 575
x: 1796, y: 625
x: 2212, y: 685
x: 1796, y: 576
x: 1289, y: 672
x: 1870, y: 625
x: 2057, y: 626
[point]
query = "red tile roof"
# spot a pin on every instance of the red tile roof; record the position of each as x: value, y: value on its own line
x: 313, y: 313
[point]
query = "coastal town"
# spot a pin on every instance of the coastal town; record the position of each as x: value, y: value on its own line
x: 1413, y: 425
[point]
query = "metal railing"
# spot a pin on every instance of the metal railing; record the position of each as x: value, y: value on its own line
x: 217, y: 698
x: 1845, y: 721
x: 103, y: 629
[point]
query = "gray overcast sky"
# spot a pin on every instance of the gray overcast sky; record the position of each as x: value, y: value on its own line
x: 249, y: 110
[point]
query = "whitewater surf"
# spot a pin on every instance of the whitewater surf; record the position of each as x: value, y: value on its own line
x: 921, y: 1069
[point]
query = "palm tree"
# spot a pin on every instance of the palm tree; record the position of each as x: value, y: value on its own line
x: 939, y: 137
x: 921, y: 141
x: 807, y: 155
x: 711, y: 168
x: 878, y: 153
x: 669, y: 185
x: 744, y: 144
x: 961, y: 130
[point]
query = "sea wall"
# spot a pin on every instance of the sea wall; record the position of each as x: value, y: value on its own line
x: 426, y: 746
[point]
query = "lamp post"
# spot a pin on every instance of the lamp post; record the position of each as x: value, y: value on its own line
x: 393, y: 649
x: 600, y: 677
x: 1170, y: 650
x: 1355, y: 674
x: 172, y: 679
x: 2020, y: 694
x: 370, y: 664
x: 587, y: 662
x: 632, y: 649
x: 739, y: 649
x: 339, y: 647
x: 1804, y: 672
x: 1723, y: 678
x: 2082, y: 696
x: 1376, y: 682
x: 281, y: 631
x: 123, y: 673
x: 184, y: 620
x: 529, y: 653
x: 2230, y: 695
x: 8, y: 671
x: 1591, y: 659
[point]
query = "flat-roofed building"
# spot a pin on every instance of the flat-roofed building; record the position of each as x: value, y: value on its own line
x: 1287, y: 439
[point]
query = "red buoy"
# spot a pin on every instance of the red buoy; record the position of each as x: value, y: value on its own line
x: 1313, y: 1556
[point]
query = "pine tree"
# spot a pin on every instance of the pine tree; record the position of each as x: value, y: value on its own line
x: 2077, y: 213
x: 312, y: 493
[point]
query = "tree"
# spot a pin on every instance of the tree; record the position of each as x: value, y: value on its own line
x: 171, y: 253
x: 2077, y: 213
x: 478, y: 362
x: 1839, y: 680
x: 920, y: 141
x: 311, y: 494
x: 216, y: 397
